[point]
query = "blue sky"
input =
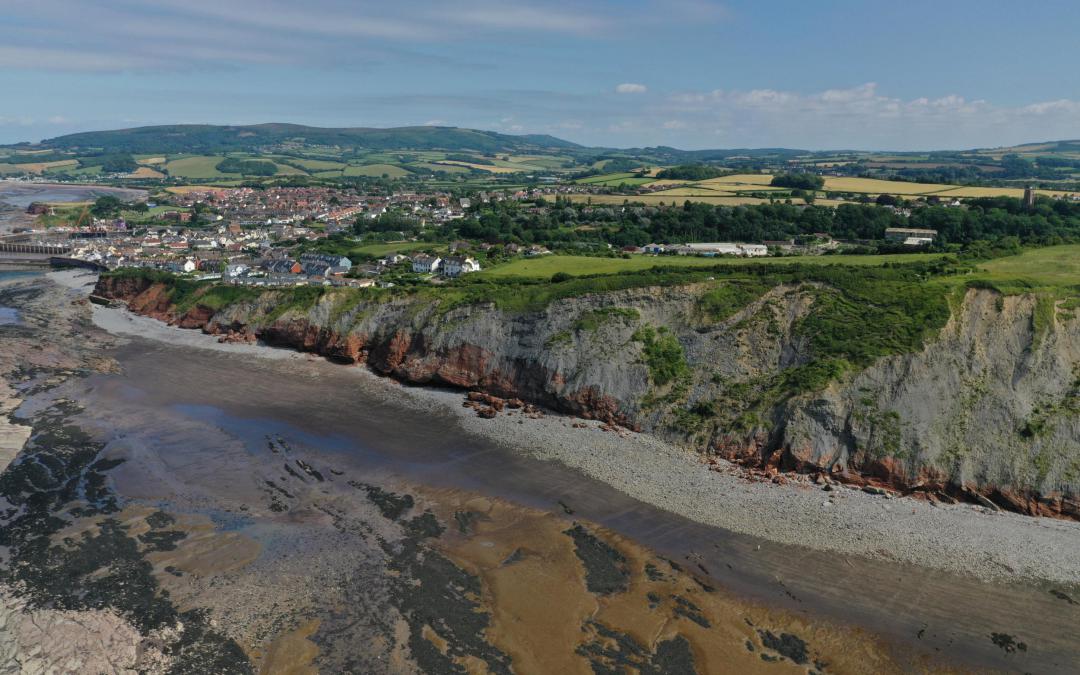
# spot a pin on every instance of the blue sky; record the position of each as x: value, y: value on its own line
x: 688, y: 73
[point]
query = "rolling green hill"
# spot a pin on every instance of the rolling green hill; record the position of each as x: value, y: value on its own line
x: 199, y: 138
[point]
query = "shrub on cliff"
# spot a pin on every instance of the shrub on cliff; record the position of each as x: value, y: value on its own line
x: 663, y: 355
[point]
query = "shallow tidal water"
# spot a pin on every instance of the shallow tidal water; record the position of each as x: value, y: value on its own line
x: 166, y: 401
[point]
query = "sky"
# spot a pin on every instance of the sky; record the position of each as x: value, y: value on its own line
x: 836, y: 74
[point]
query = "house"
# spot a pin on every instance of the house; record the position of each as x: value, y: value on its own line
x: 318, y: 269
x: 654, y: 248
x: 425, y: 264
x: 286, y: 266
x: 455, y: 266
x: 722, y: 248
x: 394, y: 258
x: 236, y: 270
x: 181, y: 267
x: 456, y: 246
x: 536, y: 250
x: 177, y: 216
x: 327, y: 259
x: 753, y: 250
x: 910, y: 236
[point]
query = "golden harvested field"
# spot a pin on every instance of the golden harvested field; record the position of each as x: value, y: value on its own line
x: 997, y: 192
x: 145, y: 172
x: 875, y: 186
x: 151, y: 160
x: 665, y: 181
x: 741, y: 179
x: 695, y: 191
x: 38, y: 167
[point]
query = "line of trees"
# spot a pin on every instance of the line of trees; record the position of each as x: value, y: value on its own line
x: 985, y: 219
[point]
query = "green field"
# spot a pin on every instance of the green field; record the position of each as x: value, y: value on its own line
x: 448, y: 168
x: 201, y: 166
x: 545, y: 266
x: 316, y: 164
x: 611, y: 179
x: 1053, y: 266
x: 376, y: 170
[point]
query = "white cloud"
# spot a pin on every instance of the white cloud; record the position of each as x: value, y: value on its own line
x: 862, y: 116
x: 112, y: 35
x: 631, y: 88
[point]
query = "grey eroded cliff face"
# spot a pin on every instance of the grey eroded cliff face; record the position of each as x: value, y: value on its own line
x: 989, y: 404
x: 990, y: 401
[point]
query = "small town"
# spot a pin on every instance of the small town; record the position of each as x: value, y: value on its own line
x: 286, y: 236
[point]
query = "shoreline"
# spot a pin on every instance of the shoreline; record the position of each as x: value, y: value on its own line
x: 961, y: 539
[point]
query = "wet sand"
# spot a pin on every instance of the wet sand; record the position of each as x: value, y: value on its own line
x: 15, y: 196
x: 332, y: 412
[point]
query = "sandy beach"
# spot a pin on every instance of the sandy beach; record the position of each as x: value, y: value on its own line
x: 961, y: 539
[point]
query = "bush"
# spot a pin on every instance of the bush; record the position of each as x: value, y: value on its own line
x: 663, y: 355
x: 799, y: 181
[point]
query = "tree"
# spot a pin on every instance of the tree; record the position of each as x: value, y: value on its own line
x: 801, y: 181
x: 106, y: 206
x: 691, y: 172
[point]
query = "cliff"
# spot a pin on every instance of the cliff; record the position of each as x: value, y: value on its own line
x: 983, y: 409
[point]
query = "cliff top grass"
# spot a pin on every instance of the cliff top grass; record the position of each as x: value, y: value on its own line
x: 1049, y: 268
x: 544, y: 267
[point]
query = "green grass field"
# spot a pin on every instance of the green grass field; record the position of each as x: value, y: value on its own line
x: 200, y: 166
x: 376, y: 170
x: 1053, y: 267
x: 316, y: 164
x: 545, y: 266
x: 448, y: 168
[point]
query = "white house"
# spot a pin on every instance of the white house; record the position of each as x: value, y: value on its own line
x: 536, y: 250
x: 236, y: 270
x: 425, y: 264
x: 455, y: 266
x: 754, y: 250
x: 722, y: 248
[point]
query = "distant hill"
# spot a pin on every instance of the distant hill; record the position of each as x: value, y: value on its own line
x: 219, y: 138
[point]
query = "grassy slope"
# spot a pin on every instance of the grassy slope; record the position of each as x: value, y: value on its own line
x: 1051, y: 267
x: 544, y: 266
